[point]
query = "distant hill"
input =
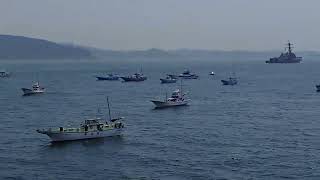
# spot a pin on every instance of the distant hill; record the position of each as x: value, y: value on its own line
x: 19, y: 47
x: 196, y: 54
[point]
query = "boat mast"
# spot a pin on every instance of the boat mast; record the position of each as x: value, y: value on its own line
x: 181, y: 86
x: 109, y: 108
x: 289, y: 47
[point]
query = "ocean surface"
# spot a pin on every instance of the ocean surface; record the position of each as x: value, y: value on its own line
x: 266, y: 127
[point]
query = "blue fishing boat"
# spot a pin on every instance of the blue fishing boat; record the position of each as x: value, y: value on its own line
x: 134, y: 78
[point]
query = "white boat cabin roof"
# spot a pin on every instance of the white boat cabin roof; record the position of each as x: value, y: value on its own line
x: 92, y: 121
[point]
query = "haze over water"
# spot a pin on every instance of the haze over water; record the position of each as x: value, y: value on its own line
x: 266, y: 127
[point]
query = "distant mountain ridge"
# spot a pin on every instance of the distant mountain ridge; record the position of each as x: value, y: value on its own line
x: 193, y: 53
x: 20, y: 47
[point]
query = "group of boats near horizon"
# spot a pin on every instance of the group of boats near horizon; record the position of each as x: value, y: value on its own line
x: 95, y: 128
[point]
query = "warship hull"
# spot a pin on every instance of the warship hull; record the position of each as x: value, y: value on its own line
x: 286, y: 61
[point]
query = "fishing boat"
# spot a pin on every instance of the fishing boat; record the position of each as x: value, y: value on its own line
x: 231, y: 81
x: 36, y: 89
x: 4, y: 73
x: 177, y: 99
x: 135, y: 77
x: 286, y: 57
x: 90, y: 129
x: 212, y: 73
x: 109, y: 77
x: 168, y: 79
x: 318, y: 87
x: 188, y: 75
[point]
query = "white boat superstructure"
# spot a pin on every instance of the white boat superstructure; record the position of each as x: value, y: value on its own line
x: 177, y: 99
x: 36, y: 89
x: 92, y: 128
x: 188, y: 75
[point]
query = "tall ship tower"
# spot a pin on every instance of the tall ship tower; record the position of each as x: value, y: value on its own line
x: 286, y: 57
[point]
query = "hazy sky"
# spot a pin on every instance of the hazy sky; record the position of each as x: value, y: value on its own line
x: 167, y: 24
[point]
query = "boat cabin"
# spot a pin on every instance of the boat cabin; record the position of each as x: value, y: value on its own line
x: 92, y: 121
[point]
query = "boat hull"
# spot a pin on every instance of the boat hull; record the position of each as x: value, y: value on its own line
x: 4, y: 75
x: 100, y: 78
x: 164, y: 81
x: 224, y: 82
x: 189, y: 77
x: 27, y: 91
x: 71, y: 136
x: 166, y: 104
x: 130, y: 79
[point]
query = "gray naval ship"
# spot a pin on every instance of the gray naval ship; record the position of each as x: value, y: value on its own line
x: 286, y: 57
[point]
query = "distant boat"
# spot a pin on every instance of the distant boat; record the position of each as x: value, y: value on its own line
x: 168, y: 79
x: 109, y: 77
x: 212, y: 73
x: 4, y: 73
x: 177, y: 99
x: 135, y: 77
x: 36, y: 89
x: 188, y: 75
x: 92, y: 128
x: 231, y: 81
x: 318, y: 88
x: 286, y: 57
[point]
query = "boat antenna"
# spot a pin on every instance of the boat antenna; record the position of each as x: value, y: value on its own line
x: 109, y: 108
x: 181, y: 85
x: 98, y: 112
x: 37, y: 77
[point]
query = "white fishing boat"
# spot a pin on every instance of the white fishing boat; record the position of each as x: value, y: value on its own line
x: 92, y: 128
x: 177, y: 99
x: 36, y: 89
